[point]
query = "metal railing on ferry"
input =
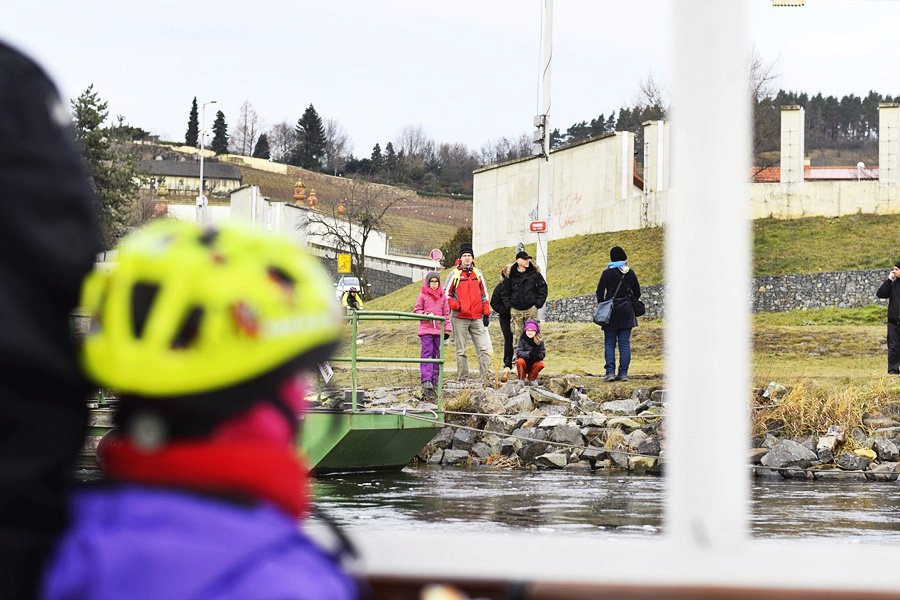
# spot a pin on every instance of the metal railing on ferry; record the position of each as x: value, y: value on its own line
x: 355, y: 316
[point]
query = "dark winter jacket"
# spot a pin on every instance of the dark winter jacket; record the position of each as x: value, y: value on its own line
x: 467, y: 294
x: 49, y: 237
x: 891, y: 289
x: 497, y: 295
x: 530, y: 351
x: 526, y: 289
x: 622, y: 313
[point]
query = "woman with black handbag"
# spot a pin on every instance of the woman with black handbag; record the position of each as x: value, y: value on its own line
x: 620, y: 284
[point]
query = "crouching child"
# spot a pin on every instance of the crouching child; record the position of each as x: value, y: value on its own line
x: 530, y: 354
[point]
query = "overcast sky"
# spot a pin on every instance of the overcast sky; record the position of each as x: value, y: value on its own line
x: 466, y: 70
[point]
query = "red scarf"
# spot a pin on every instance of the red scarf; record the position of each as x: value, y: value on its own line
x: 249, y: 469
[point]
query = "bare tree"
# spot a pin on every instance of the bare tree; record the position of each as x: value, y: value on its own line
x: 365, y: 205
x: 336, y: 144
x: 497, y: 151
x: 282, y: 140
x: 246, y: 130
x: 760, y: 76
x: 413, y: 141
x: 653, y: 99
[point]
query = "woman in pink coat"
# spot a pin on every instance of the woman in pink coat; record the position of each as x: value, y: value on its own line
x: 432, y: 301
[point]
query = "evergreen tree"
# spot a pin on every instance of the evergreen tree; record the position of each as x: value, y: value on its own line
x: 113, y: 170
x: 262, y: 147
x: 193, y: 130
x: 377, y: 160
x: 450, y: 248
x: 390, y: 162
x: 310, y: 146
x: 220, y: 134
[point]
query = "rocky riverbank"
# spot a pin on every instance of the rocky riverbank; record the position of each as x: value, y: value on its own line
x: 558, y: 426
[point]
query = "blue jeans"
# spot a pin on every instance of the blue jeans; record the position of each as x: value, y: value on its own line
x: 623, y: 337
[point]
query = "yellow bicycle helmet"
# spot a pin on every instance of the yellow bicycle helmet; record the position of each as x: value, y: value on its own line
x: 185, y: 311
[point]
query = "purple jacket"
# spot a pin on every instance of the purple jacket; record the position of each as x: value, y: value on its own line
x: 141, y: 543
x: 428, y: 303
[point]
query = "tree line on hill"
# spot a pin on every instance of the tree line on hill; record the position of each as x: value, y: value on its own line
x: 412, y: 159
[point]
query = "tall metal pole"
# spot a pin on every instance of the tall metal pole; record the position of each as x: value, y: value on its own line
x: 202, y: 216
x: 545, y: 172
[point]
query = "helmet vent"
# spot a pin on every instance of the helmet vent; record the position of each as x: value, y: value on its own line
x: 208, y: 237
x: 282, y: 278
x: 189, y: 330
x: 142, y: 296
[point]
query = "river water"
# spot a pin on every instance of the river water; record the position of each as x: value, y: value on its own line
x: 498, y: 501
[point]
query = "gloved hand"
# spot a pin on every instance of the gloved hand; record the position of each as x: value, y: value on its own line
x: 486, y: 319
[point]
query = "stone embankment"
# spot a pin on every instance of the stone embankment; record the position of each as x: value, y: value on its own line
x: 557, y: 426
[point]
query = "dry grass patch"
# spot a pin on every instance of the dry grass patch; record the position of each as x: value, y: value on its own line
x: 811, y: 407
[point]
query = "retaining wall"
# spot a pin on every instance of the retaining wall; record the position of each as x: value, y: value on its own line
x: 844, y: 289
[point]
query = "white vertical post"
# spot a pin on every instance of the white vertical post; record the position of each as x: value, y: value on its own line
x: 708, y: 281
x: 545, y: 173
x: 202, y: 215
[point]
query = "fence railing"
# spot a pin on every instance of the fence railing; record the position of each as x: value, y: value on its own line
x: 355, y: 317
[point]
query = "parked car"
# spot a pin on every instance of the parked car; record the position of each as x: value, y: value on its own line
x: 345, y: 283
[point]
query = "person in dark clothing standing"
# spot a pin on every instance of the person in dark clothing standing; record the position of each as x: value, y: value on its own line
x: 505, y: 321
x: 622, y: 321
x: 525, y: 292
x: 49, y: 238
x: 891, y: 289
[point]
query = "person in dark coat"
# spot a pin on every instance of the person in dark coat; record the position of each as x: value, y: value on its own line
x: 525, y: 292
x: 505, y: 321
x: 49, y: 239
x: 622, y: 320
x: 890, y: 289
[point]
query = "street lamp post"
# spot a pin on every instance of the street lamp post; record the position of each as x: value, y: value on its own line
x: 202, y: 216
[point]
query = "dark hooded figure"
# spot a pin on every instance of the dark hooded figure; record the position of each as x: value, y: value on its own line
x: 49, y: 237
x: 890, y: 289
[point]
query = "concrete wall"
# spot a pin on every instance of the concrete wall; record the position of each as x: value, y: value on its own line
x: 592, y: 191
x: 845, y: 289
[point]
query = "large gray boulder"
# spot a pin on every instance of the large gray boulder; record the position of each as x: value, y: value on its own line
x: 850, y: 461
x: 567, y: 434
x: 620, y: 407
x: 633, y: 439
x: 510, y: 446
x: 463, y: 439
x: 563, y: 385
x: 500, y: 424
x: 534, y: 446
x: 443, y: 439
x: 552, y: 460
x: 436, y: 457
x: 888, y: 471
x: 788, y: 453
x: 641, y: 394
x: 455, y: 457
x: 519, y: 404
x: 490, y: 402
x: 553, y: 421
x: 481, y: 450
x: 886, y: 450
x: 649, y: 447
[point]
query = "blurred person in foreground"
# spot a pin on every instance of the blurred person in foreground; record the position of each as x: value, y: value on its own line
x: 49, y: 237
x: 205, y: 334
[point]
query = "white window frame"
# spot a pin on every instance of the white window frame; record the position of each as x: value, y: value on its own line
x: 706, y: 537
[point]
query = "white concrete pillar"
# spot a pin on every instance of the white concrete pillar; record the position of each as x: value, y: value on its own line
x: 625, y: 182
x: 889, y: 143
x: 792, y: 143
x: 656, y: 156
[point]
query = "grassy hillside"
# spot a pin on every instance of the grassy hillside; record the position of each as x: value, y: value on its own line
x: 816, y: 244
x: 417, y: 224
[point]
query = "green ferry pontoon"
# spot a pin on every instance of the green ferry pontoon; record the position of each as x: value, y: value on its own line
x: 352, y: 436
